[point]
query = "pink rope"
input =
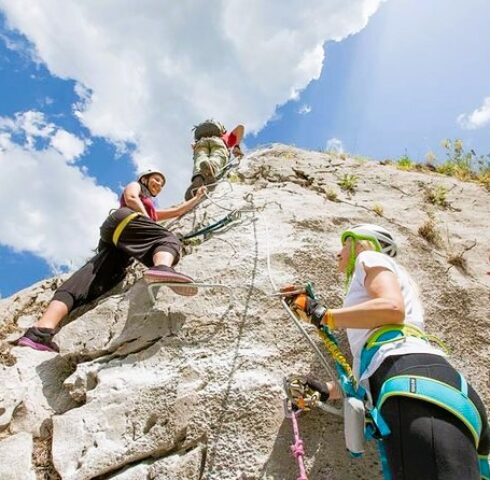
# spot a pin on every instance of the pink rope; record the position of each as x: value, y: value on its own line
x: 297, y: 448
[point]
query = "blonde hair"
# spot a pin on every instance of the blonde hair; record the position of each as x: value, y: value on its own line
x: 366, y: 245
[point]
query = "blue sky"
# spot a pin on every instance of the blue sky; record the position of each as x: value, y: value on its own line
x: 398, y: 84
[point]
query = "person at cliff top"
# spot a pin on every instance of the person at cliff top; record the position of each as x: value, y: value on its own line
x: 129, y: 232
x: 212, y: 148
x: 431, y: 436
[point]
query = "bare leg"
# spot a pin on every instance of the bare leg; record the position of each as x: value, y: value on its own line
x: 163, y: 258
x: 53, y: 315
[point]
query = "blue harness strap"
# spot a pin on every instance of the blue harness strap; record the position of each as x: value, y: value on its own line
x: 451, y: 399
x: 484, y: 467
x: 439, y: 393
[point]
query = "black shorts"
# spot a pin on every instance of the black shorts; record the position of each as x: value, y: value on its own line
x: 428, y: 442
x: 140, y: 239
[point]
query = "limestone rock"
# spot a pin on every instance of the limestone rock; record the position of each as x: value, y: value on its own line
x: 191, y: 387
x: 15, y: 457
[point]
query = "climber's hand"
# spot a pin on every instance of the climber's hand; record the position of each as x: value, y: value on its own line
x: 200, y: 192
x: 305, y: 392
x: 237, y: 152
x: 318, y: 386
x: 308, y: 309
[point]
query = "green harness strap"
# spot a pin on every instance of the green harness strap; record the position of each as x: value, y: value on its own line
x: 393, y: 333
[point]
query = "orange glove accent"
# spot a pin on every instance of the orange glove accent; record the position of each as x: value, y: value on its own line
x: 301, y: 302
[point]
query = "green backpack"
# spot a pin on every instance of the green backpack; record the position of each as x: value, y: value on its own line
x: 208, y: 128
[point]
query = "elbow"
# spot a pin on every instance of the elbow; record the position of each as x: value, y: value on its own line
x: 396, y: 312
x: 131, y: 201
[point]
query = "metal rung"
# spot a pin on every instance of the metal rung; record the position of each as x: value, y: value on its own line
x: 154, y: 286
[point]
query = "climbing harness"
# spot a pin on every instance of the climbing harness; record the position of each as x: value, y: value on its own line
x: 484, y: 467
x: 455, y: 401
x: 122, y: 225
x: 393, y: 333
x: 436, y: 392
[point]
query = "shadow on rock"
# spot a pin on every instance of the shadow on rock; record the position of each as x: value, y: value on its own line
x: 52, y: 374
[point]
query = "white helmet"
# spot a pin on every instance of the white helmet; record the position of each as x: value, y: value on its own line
x: 381, y: 238
x: 151, y: 171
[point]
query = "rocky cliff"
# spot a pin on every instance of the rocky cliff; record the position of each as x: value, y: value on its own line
x: 191, y: 387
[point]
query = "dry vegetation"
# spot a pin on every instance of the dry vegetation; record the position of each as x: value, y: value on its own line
x: 464, y: 165
x: 430, y: 232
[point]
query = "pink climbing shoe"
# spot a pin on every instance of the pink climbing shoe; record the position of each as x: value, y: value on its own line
x: 164, y: 274
x: 38, y: 339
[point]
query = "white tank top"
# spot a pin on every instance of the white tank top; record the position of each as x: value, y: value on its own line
x: 414, y: 314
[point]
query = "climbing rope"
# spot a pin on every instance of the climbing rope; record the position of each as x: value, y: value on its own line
x: 297, y: 448
x: 224, y: 170
x: 208, y: 197
x: 299, y: 323
x: 234, y: 217
x: 331, y: 345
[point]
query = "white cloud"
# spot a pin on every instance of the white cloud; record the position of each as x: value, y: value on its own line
x: 304, y: 109
x: 150, y: 71
x: 478, y: 118
x: 50, y: 207
x: 31, y: 125
x: 335, y: 145
x: 69, y: 145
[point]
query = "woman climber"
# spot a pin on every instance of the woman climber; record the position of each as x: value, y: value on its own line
x: 129, y: 232
x: 438, y: 423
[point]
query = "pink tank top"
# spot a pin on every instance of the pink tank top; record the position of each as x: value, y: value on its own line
x: 148, y: 204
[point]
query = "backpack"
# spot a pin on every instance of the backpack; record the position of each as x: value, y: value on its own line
x: 208, y: 128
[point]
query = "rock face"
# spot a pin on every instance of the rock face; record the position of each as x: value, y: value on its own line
x: 16, y: 452
x: 191, y: 387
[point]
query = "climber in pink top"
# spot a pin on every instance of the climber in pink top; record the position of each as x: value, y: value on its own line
x: 129, y: 232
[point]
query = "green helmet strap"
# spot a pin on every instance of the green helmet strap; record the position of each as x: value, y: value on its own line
x: 351, y: 264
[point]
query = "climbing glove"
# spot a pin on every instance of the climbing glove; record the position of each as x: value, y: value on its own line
x: 312, y: 310
x: 307, y: 308
x: 305, y: 392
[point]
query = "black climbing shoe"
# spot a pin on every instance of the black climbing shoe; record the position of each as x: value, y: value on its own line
x: 197, y: 181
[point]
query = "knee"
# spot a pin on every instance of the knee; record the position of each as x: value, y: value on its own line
x: 64, y: 297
